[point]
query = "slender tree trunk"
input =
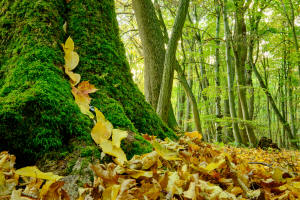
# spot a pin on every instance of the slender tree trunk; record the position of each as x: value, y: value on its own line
x: 278, y: 114
x: 204, y: 83
x: 170, y: 57
x: 240, y: 54
x: 187, y: 124
x: 217, y: 75
x: 265, y: 65
x: 190, y: 95
x: 228, y: 128
x: 230, y: 75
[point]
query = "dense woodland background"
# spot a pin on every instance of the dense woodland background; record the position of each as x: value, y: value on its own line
x: 236, y: 56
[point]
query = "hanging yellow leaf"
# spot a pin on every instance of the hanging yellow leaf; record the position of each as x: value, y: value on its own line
x: 102, y: 129
x: 164, y: 152
x: 69, y: 45
x: 193, y: 135
x: 75, y: 78
x: 34, y: 172
x: 108, y: 148
x: 65, y: 27
x: 71, y: 60
x: 118, y: 136
x: 86, y: 88
x: 81, y: 95
x: 82, y: 101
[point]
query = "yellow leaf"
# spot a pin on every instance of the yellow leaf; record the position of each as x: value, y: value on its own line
x: 34, y: 172
x: 277, y: 174
x: 191, y: 192
x: 296, y: 185
x: 118, y: 136
x: 86, y: 88
x: 150, y: 159
x: 213, y: 165
x: 102, y: 129
x: 111, y: 192
x: 65, y: 27
x: 71, y: 60
x: 173, y: 183
x: 164, y: 152
x: 75, y: 78
x: 69, y: 45
x: 108, y: 148
x: 82, y: 101
x: 55, y: 192
x: 193, y: 135
x: 82, y: 98
x: 45, y: 187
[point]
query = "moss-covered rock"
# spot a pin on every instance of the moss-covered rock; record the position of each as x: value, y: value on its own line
x: 37, y: 111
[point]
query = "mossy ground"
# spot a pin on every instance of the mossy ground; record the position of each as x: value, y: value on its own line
x: 37, y: 111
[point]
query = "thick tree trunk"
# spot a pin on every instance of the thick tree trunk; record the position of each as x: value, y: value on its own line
x: 37, y: 111
x: 154, y: 53
x: 153, y: 48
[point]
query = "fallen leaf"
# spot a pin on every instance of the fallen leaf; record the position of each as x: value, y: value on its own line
x: 34, y: 172
x: 164, y: 152
x: 117, y: 136
x: 111, y: 192
x: 193, y: 135
x: 108, y: 148
x: 191, y: 192
x: 102, y: 129
x: 149, y: 159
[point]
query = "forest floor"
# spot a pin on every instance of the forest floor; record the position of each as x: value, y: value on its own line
x: 186, y: 169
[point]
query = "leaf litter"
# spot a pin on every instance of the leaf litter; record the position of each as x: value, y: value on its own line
x: 186, y: 169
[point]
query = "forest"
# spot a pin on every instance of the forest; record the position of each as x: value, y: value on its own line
x: 149, y: 99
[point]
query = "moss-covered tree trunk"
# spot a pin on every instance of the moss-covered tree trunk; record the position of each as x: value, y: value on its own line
x: 37, y: 111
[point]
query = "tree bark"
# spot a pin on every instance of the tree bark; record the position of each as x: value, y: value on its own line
x: 217, y: 76
x: 170, y: 57
x: 230, y: 75
x: 153, y: 48
x: 37, y: 111
x: 154, y: 52
x: 240, y: 55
